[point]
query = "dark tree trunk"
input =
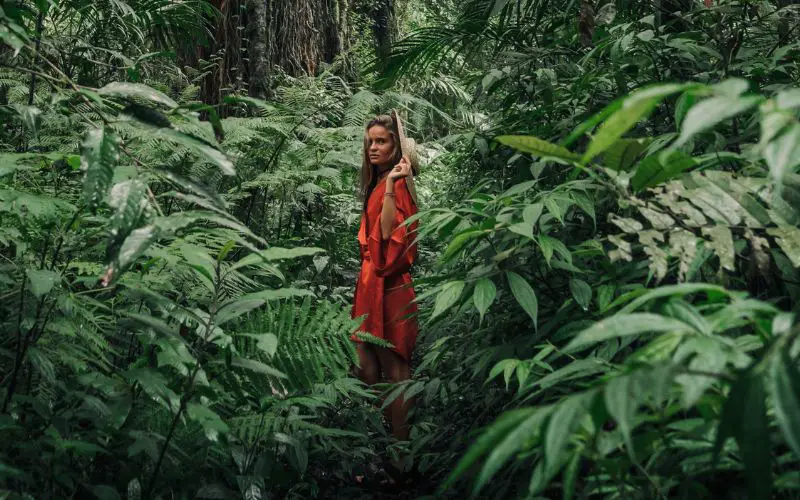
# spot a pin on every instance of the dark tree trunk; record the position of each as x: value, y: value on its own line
x: 297, y: 36
x: 383, y: 28
x: 258, y: 62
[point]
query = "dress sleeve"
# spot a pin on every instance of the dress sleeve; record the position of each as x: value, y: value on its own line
x: 395, y: 255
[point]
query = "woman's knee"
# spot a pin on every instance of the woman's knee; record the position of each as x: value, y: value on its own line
x: 368, y: 370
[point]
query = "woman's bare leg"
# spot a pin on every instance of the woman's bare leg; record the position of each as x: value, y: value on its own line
x: 396, y: 370
x: 368, y: 370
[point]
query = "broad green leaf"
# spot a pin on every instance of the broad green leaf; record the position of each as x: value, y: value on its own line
x: 518, y: 437
x: 204, y: 150
x: 531, y: 213
x: 524, y: 294
x: 753, y: 438
x: 722, y: 244
x: 660, y: 167
x: 31, y: 116
x: 459, y: 242
x: 547, y: 244
x: 486, y: 441
x: 710, y: 112
x: 278, y: 293
x: 788, y: 238
x: 563, y: 422
x: 211, y: 423
x: 665, y: 291
x: 277, y: 253
x: 522, y: 228
x: 137, y: 91
x: 483, y: 296
x: 624, y: 325
x: 623, y: 153
x: 782, y: 154
x: 134, y: 245
x: 621, y: 401
x: 257, y: 367
x: 235, y: 308
x: 785, y: 383
x: 633, y: 109
x: 538, y: 147
x: 448, y: 296
x: 41, y: 281
x: 129, y: 201
x: 99, y: 155
x: 582, y: 292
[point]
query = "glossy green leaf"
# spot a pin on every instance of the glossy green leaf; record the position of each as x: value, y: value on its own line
x: 633, y: 109
x: 622, y: 154
x: 41, y: 281
x: 563, y: 422
x: 487, y: 441
x: 624, y: 325
x: 788, y: 238
x: 531, y: 213
x: 484, y: 295
x: 581, y: 292
x: 785, y: 382
x: 459, y: 242
x: 137, y: 91
x: 99, y: 156
x: 448, y: 296
x: 538, y: 147
x: 524, y: 294
x: 659, y: 168
x: 710, y: 112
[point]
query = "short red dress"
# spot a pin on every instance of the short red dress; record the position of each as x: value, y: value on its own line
x: 384, y: 292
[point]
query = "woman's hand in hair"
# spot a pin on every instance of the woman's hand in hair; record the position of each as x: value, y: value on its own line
x: 402, y: 169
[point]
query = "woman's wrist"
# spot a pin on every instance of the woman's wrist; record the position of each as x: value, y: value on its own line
x: 389, y: 185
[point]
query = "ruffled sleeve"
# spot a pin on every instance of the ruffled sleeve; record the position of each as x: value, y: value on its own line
x: 395, y: 255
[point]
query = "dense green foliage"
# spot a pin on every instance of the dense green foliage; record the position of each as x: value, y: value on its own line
x: 609, y: 234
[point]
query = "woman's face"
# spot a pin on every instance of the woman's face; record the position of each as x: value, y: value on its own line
x: 381, y: 146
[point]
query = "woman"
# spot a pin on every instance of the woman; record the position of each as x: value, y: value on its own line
x: 384, y: 293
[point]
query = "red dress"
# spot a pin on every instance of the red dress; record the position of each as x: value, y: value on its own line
x: 384, y: 291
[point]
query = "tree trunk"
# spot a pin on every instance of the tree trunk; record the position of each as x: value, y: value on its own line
x: 258, y: 62
x: 383, y: 28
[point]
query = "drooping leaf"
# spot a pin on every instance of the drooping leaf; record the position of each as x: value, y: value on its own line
x: 483, y: 296
x: 633, y: 109
x: 659, y: 168
x: 524, y: 294
x: 41, y: 281
x: 532, y: 212
x: 31, y: 116
x: 564, y: 420
x: 788, y: 238
x: 519, y: 436
x: 538, y: 147
x: 459, y: 242
x: 99, y: 156
x: 624, y: 325
x: 785, y: 382
x: 623, y: 153
x: 137, y: 90
x: 211, y: 423
x: 204, y: 150
x: 449, y: 295
x: 722, y: 244
x: 581, y: 292
x: 256, y: 366
x: 621, y: 401
x: 710, y: 112
x: 487, y: 441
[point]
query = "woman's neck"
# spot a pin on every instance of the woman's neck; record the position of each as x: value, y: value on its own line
x: 383, y: 171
